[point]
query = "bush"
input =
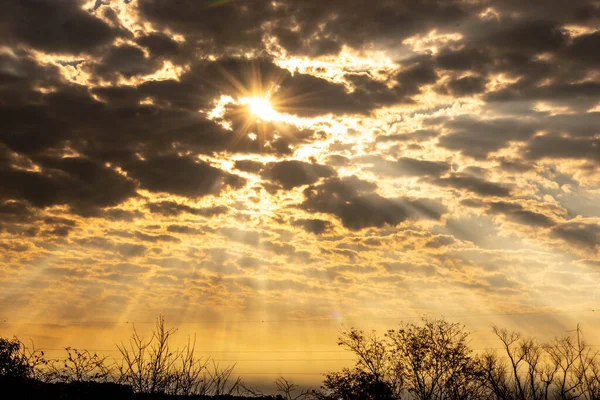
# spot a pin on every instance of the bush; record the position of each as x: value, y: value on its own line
x: 14, y: 362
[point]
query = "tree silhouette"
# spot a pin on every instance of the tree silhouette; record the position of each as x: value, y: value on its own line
x: 13, y: 360
x: 428, y: 361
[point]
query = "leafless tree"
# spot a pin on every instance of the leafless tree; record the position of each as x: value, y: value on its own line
x: 288, y: 390
x: 152, y: 366
x: 79, y: 366
x: 221, y: 381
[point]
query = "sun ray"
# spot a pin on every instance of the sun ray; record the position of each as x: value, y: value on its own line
x: 260, y: 107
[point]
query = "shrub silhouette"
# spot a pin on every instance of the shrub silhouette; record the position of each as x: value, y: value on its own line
x: 14, y: 363
x: 356, y: 385
x: 79, y: 366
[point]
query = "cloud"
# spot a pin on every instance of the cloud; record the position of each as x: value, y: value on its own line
x: 352, y: 201
x: 407, y: 167
x: 458, y: 137
x: 561, y: 147
x: 473, y: 184
x: 412, y: 78
x: 478, y: 138
x: 467, y: 85
x: 465, y: 59
x: 125, y: 60
x: 182, y: 176
x: 73, y: 30
x: 316, y: 32
x: 249, y: 237
x: 290, y: 174
x: 579, y: 233
x: 78, y: 182
x: 131, y: 250
x: 516, y: 212
x: 171, y: 209
x: 316, y: 226
x: 249, y: 166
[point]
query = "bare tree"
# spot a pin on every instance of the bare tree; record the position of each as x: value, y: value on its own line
x: 495, y: 375
x: 221, y: 383
x: 79, y: 366
x: 288, y: 390
x: 152, y: 366
x: 188, y: 378
x: 564, y: 368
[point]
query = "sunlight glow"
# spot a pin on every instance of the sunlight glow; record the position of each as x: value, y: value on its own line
x: 260, y: 107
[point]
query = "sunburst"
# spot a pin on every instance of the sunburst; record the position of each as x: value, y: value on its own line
x: 260, y: 107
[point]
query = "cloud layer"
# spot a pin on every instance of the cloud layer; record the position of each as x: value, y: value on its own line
x: 431, y: 156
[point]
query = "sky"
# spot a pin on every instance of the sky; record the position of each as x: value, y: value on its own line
x: 266, y: 174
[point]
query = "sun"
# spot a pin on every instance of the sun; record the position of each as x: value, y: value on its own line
x: 260, y: 107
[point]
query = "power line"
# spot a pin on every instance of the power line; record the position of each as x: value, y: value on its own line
x: 261, y: 321
x: 210, y: 351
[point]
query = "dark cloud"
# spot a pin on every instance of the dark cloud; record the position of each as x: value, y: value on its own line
x: 159, y: 45
x: 465, y: 59
x: 293, y: 173
x: 579, y: 233
x: 318, y: 27
x: 337, y: 160
x: 182, y: 176
x: 183, y: 229
x: 60, y: 26
x: 467, y: 85
x: 581, y: 11
x: 561, y: 147
x: 412, y: 78
x: 513, y: 166
x: 131, y: 250
x: 561, y: 91
x: 529, y: 37
x: 78, y: 182
x: 354, y: 203
x: 478, y: 138
x: 316, y: 226
x: 516, y: 212
x: 117, y: 214
x: 440, y: 241
x: 583, y: 49
x: 14, y: 211
x: 125, y: 60
x: 309, y: 96
x: 473, y: 184
x: 407, y: 167
x: 155, y: 238
x: 249, y: 166
x: 172, y: 209
x: 204, y: 24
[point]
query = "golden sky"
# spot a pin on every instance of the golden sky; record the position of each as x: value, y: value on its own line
x: 268, y: 173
